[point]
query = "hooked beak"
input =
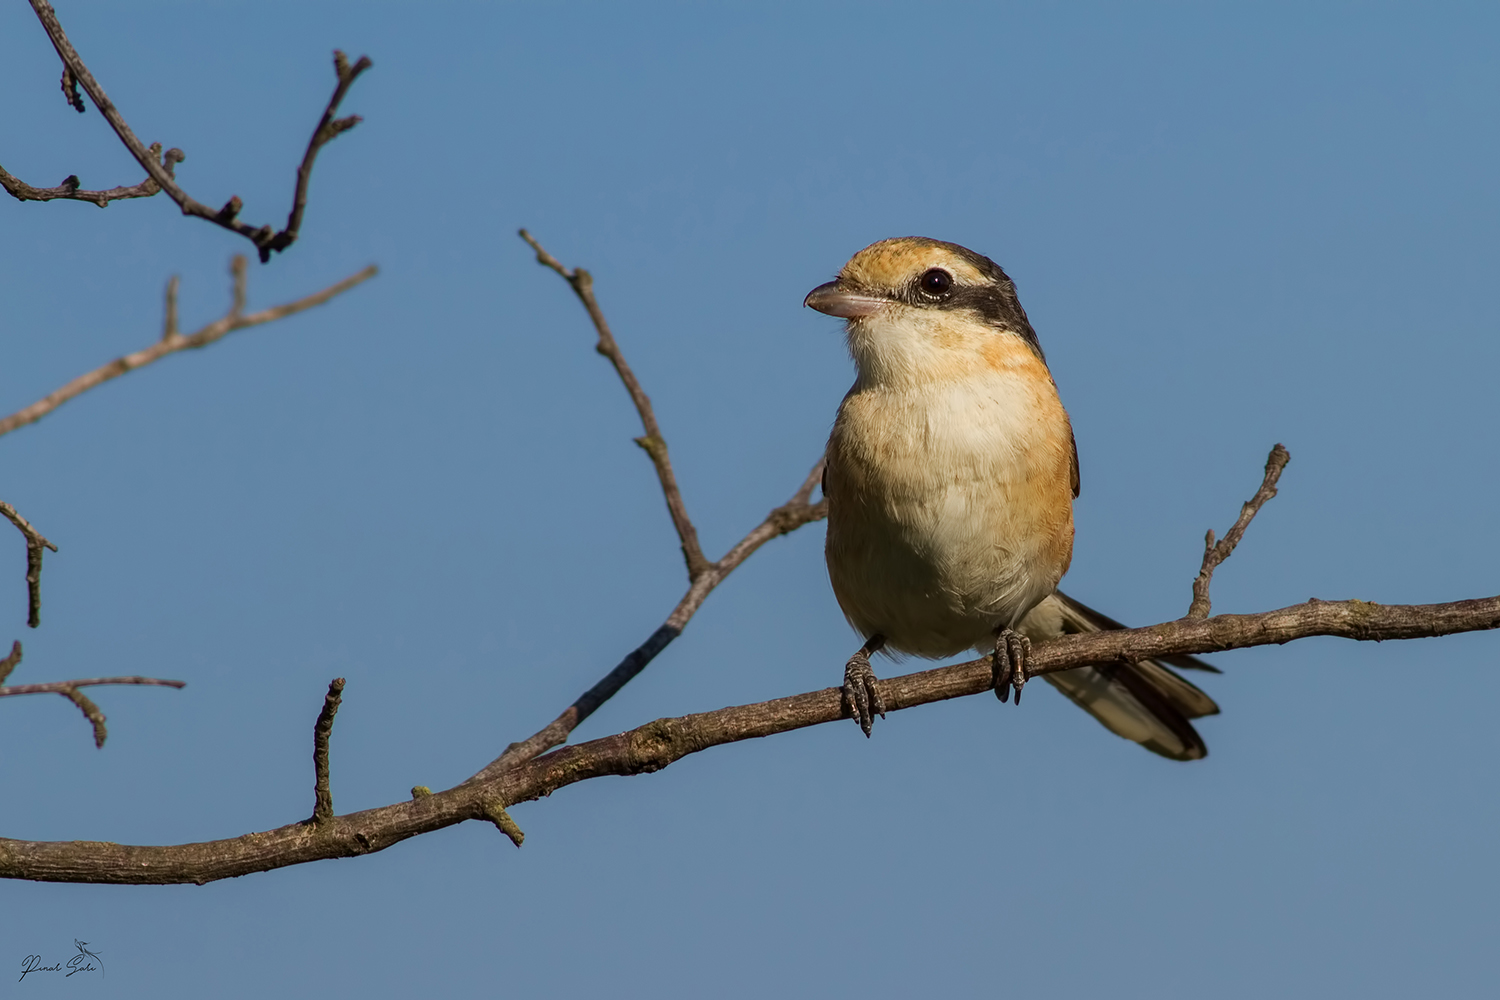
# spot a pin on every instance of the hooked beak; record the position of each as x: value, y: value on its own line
x: 836, y: 299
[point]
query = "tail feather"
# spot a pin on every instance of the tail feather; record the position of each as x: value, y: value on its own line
x: 1146, y: 702
x: 1087, y: 616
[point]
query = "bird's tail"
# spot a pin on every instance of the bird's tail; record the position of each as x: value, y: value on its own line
x: 1147, y: 702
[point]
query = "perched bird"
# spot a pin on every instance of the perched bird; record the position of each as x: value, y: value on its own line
x: 950, y: 478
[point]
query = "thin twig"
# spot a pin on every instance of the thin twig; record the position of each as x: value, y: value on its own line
x: 322, y: 730
x: 328, y: 128
x: 652, y: 443
x: 9, y: 663
x: 1216, y: 553
x: 496, y: 814
x: 169, y: 318
x: 59, y: 687
x: 69, y: 690
x: 784, y: 519
x: 35, y: 543
x: 234, y: 320
x: 71, y: 188
x: 793, y: 514
x: 657, y: 744
x: 91, y: 712
x: 265, y: 238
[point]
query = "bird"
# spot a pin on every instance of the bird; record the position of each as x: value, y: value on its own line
x: 950, y: 475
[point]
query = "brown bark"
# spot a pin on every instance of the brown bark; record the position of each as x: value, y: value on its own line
x: 159, y: 167
x: 657, y: 744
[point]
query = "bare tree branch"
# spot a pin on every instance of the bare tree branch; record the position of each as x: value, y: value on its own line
x: 784, y: 519
x: 1214, y: 554
x: 653, y: 443
x: 266, y: 239
x: 69, y: 189
x: 657, y: 744
x: 69, y: 690
x: 35, y: 543
x: 703, y: 575
x: 173, y: 342
x: 322, y: 730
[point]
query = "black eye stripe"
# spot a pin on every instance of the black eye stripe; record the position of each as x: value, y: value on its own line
x: 993, y: 300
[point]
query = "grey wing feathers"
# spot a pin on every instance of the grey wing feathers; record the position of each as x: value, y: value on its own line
x: 1090, y: 620
x: 1146, y: 702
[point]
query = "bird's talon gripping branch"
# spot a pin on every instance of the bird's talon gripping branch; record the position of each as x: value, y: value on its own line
x: 862, y: 701
x: 1012, y: 654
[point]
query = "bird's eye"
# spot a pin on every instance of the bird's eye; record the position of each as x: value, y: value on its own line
x: 936, y: 281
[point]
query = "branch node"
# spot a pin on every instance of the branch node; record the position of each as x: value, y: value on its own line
x: 341, y: 125
x: 35, y: 543
x: 70, y: 89
x: 230, y: 211
x: 322, y: 730
x: 496, y: 814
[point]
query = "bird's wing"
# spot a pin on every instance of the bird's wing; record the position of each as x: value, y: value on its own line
x: 1146, y: 702
x: 1073, y: 474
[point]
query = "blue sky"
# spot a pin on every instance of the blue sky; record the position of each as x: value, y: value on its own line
x: 1230, y: 226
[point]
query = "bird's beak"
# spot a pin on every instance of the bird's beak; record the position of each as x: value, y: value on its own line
x: 836, y: 299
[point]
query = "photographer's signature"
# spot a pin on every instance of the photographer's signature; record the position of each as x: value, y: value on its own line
x: 81, y: 962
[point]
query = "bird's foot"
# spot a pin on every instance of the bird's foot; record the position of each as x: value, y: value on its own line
x: 1012, y: 653
x: 861, y: 699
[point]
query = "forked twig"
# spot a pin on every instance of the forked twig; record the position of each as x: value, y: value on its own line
x: 35, y: 543
x: 703, y: 575
x: 69, y: 690
x: 790, y: 516
x: 159, y: 172
x: 172, y: 341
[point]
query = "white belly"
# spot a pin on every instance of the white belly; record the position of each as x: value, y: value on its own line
x: 946, y: 521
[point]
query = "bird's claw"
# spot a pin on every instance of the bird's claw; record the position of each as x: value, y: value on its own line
x: 1012, y: 654
x: 862, y: 700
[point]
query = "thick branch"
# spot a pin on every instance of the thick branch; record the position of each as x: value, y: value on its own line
x: 173, y: 342
x: 322, y: 730
x: 652, y: 443
x: 1214, y: 554
x: 784, y: 519
x: 35, y: 543
x: 654, y: 746
x: 69, y: 690
x: 265, y: 238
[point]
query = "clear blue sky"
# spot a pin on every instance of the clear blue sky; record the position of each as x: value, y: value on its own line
x: 1230, y: 227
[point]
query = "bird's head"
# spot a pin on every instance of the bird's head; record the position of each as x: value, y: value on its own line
x: 922, y: 310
